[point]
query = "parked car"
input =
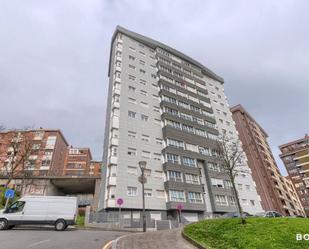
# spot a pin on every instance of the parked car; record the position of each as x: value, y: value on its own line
x: 236, y: 215
x: 269, y: 214
x: 57, y: 211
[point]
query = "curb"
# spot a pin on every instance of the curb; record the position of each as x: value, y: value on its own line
x: 108, y: 245
x: 192, y: 241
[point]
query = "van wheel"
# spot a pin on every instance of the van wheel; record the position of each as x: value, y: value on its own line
x: 60, y: 225
x: 3, y: 224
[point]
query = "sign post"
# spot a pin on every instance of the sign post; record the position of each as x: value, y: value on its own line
x: 179, y: 209
x: 119, y: 202
x: 9, y: 194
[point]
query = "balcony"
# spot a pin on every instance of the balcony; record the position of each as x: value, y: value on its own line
x: 113, y: 160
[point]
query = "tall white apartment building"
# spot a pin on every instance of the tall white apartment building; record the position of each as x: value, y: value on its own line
x: 160, y: 110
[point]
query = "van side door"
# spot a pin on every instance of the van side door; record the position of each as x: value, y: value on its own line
x: 35, y: 213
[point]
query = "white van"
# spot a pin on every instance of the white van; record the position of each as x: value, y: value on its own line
x: 40, y: 210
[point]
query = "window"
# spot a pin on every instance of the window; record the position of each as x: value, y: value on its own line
x: 244, y: 202
x: 221, y: 200
x: 114, y: 150
x: 132, y: 100
x: 131, y: 66
x: 143, y: 82
x: 142, y: 62
x: 16, y: 207
x: 131, y: 57
x: 147, y: 172
x: 188, y: 128
x: 132, y: 88
x: 36, y: 146
x: 148, y: 192
x: 142, y: 92
x: 200, y: 132
x: 144, y: 104
x: 142, y: 71
x: 131, y: 48
x: 217, y: 182
x: 195, y: 197
x: 228, y: 184
x: 159, y: 141
x: 132, y: 191
x: 153, y: 76
x: 142, y: 53
x: 146, y: 154
x: 204, y: 151
x: 176, y: 195
x: 50, y: 143
x: 132, y: 134
x: 252, y: 202
x: 247, y: 187
x: 175, y: 176
x: 175, y: 143
x: 38, y: 135
x: 214, y: 167
x: 173, y: 124
x: 144, y: 118
x: 132, y: 170
x: 172, y: 158
x: 131, y: 151
x: 240, y: 186
x: 232, y: 201
x: 131, y: 114
x: 156, y: 109
x: 145, y: 138
x: 192, y: 179
x: 188, y: 161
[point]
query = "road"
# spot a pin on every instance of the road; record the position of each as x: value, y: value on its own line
x: 47, y: 238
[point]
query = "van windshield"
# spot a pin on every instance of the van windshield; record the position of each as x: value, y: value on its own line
x: 16, y: 207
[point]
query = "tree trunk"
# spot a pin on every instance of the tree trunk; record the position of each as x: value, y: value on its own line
x: 242, y: 218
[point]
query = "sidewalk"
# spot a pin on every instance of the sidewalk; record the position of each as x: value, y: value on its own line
x: 167, y: 239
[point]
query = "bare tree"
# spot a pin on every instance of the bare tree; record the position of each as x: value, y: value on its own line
x: 16, y: 148
x: 232, y: 156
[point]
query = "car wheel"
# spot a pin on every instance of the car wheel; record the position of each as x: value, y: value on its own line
x: 3, y: 224
x: 60, y: 225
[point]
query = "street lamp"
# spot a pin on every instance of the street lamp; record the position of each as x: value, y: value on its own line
x: 142, y: 179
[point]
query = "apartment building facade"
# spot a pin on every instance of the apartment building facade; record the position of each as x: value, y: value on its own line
x: 295, y: 156
x: 275, y: 191
x: 79, y: 163
x: 159, y: 111
x: 47, y: 151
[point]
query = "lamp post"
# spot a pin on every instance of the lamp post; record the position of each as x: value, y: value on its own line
x: 142, y: 179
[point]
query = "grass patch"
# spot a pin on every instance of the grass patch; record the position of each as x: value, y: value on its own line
x: 80, y: 221
x: 258, y: 233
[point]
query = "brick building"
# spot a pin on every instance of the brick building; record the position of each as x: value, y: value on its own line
x: 276, y: 191
x: 43, y: 152
x: 79, y: 163
x: 295, y: 156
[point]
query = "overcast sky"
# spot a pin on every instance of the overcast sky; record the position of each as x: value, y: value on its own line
x: 54, y: 59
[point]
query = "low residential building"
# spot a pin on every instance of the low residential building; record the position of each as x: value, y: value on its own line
x: 275, y: 191
x: 295, y: 156
x: 45, y: 150
x: 79, y: 163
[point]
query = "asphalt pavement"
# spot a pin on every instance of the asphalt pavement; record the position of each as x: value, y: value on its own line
x: 48, y: 238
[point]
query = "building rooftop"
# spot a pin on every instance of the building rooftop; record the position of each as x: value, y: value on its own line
x: 154, y: 44
x: 240, y: 108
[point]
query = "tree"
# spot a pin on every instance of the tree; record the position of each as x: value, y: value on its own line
x: 15, y: 149
x: 232, y: 157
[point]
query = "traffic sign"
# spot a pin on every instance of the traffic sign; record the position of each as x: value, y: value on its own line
x: 142, y: 179
x: 9, y: 193
x: 180, y: 207
x: 119, y: 201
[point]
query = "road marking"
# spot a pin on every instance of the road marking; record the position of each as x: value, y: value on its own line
x: 37, y: 243
x: 108, y: 245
